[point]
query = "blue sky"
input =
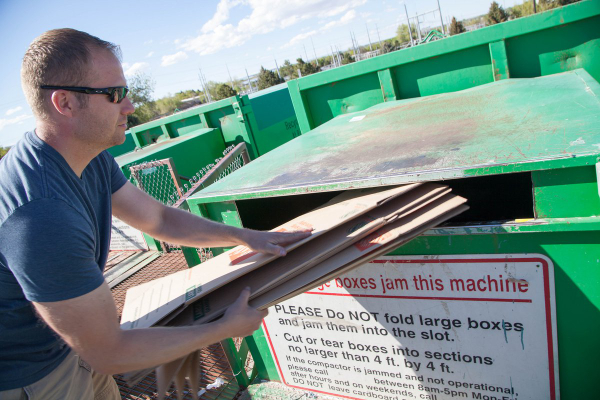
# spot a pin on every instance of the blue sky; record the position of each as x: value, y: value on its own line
x: 170, y: 40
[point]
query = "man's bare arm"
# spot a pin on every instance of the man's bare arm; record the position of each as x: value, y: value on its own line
x: 89, y: 325
x: 141, y: 211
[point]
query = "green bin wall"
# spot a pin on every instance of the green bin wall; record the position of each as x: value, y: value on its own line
x: 568, y: 236
x: 551, y: 42
x: 190, y: 153
x: 264, y: 120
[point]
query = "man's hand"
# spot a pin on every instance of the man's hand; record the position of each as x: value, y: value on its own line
x: 240, y: 319
x: 172, y: 225
x: 273, y: 242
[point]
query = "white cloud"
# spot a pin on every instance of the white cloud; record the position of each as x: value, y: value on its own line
x: 14, y: 110
x: 221, y: 15
x: 150, y: 54
x: 13, y: 121
x: 147, y: 42
x: 299, y: 38
x: 345, y: 19
x: 173, y: 58
x: 136, y: 67
x: 266, y: 16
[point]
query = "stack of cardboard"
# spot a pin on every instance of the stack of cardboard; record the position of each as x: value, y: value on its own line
x: 352, y: 229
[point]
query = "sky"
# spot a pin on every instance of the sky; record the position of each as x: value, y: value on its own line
x: 171, y: 41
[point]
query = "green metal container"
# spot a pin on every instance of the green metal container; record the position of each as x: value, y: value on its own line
x: 127, y: 146
x: 264, y: 120
x: 190, y: 153
x: 524, y: 152
x: 554, y: 41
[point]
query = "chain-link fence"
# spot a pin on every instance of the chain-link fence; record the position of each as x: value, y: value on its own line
x: 157, y: 178
x: 160, y: 180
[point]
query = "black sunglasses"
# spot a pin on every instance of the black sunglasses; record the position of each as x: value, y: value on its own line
x: 116, y: 94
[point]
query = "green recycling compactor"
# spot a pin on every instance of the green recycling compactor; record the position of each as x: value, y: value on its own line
x: 524, y: 152
x: 263, y: 120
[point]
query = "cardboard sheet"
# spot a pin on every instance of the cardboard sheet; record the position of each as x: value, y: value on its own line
x: 147, y: 304
x: 313, y: 253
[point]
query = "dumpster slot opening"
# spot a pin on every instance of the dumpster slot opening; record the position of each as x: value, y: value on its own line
x: 493, y: 198
x: 268, y: 213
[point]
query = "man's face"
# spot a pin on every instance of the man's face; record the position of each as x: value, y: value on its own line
x: 102, y: 124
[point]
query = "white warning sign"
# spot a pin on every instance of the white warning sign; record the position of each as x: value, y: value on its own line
x: 126, y: 237
x: 424, y: 327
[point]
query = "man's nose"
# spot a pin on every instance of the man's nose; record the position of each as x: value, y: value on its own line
x: 127, y: 107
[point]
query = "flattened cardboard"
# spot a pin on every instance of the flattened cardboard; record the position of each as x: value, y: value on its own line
x: 275, y: 296
x: 275, y: 272
x: 399, y: 230
x: 147, y: 306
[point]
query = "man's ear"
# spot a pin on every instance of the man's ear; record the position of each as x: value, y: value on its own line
x: 64, y: 102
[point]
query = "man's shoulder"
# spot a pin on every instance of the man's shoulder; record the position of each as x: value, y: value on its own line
x: 27, y: 173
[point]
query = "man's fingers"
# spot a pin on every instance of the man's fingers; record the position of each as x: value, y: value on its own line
x: 244, y: 295
x: 292, y: 237
x: 275, y: 249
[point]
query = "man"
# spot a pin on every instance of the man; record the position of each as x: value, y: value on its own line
x: 58, y: 188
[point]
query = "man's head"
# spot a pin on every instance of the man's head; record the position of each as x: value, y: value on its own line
x: 68, y: 60
x: 60, y: 57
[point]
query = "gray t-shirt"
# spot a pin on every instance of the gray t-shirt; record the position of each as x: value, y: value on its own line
x: 54, y: 241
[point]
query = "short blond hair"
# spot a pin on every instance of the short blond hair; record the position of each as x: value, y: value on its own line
x: 60, y: 57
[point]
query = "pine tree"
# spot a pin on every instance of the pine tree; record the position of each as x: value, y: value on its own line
x: 456, y: 27
x: 306, y: 68
x: 267, y: 78
x: 224, y: 91
x: 496, y: 14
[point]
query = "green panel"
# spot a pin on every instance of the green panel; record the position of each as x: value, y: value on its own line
x: 190, y: 153
x: 127, y: 146
x: 271, y: 117
x: 184, y: 126
x: 150, y: 136
x: 562, y: 48
x: 447, y: 73
x: 577, y: 273
x: 512, y: 125
x: 222, y: 212
x: 535, y: 45
x: 346, y: 96
x: 567, y: 192
x: 499, y: 60
x: 388, y: 85
x: 271, y: 106
x: 275, y: 135
x: 300, y: 106
x: 233, y: 127
x: 263, y: 349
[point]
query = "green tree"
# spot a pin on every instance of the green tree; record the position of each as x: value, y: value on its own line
x: 223, y: 91
x: 347, y: 58
x: 496, y: 14
x: 141, y: 88
x: 403, y: 34
x: 306, y: 68
x: 287, y: 69
x: 3, y: 151
x: 267, y: 78
x: 456, y: 27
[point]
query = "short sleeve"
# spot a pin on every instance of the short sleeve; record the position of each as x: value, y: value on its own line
x: 117, y: 178
x: 50, y: 249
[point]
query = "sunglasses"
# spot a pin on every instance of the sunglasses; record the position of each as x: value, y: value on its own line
x: 116, y: 94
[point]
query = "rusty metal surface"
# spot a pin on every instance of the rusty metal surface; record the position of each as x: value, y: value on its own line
x: 213, y: 363
x: 524, y: 124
